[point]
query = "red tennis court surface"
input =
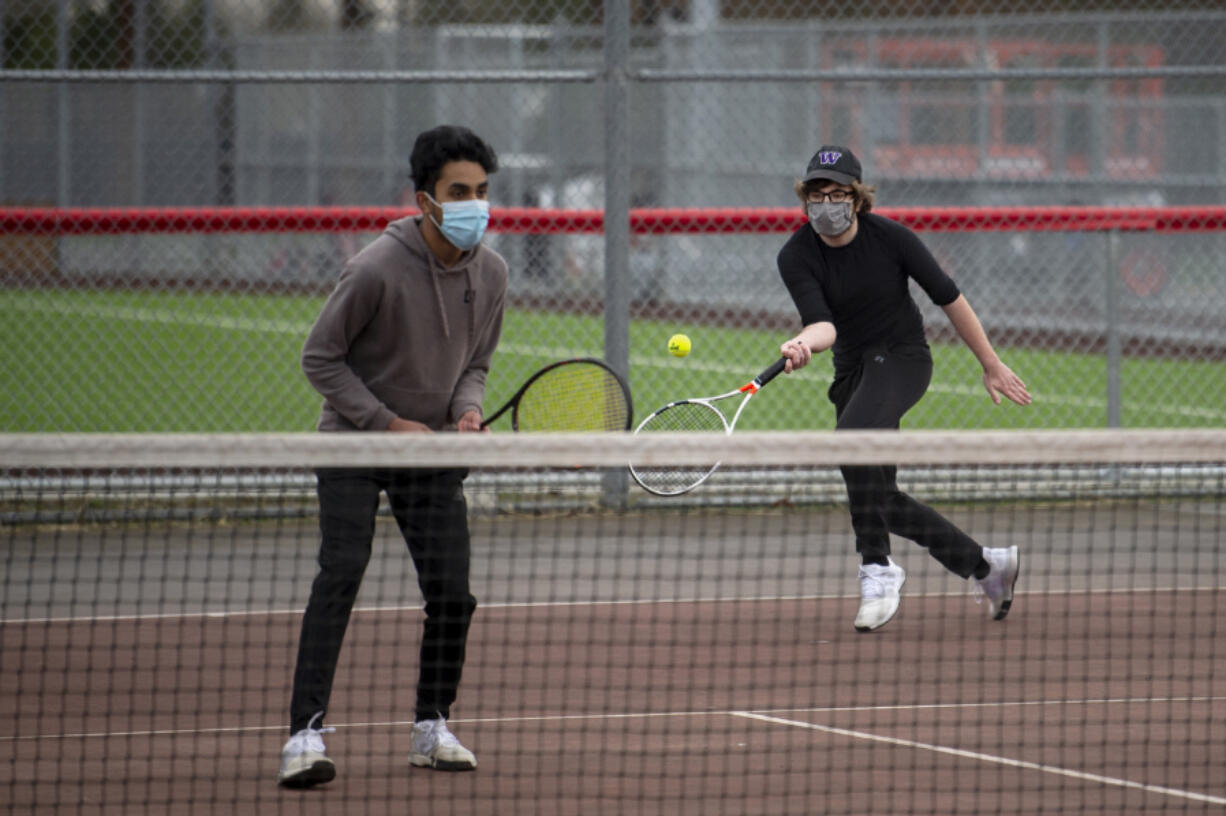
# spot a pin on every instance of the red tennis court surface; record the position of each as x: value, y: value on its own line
x: 1094, y: 703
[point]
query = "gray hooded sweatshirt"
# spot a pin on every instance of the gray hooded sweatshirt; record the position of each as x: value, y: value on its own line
x: 404, y: 336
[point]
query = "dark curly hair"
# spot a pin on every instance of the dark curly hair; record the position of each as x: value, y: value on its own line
x: 447, y: 143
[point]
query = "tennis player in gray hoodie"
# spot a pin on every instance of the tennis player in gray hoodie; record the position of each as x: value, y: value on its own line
x: 403, y: 344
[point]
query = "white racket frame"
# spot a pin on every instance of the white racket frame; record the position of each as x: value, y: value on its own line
x: 748, y: 389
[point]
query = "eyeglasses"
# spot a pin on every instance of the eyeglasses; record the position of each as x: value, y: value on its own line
x: 834, y: 196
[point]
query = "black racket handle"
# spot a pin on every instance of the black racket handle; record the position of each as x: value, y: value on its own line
x: 776, y: 368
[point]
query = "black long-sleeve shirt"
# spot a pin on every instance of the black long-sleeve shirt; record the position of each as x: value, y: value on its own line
x: 862, y: 288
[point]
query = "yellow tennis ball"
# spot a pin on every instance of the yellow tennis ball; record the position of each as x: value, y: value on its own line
x: 678, y: 345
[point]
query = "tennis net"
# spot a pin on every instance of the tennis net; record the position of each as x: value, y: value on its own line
x: 629, y: 653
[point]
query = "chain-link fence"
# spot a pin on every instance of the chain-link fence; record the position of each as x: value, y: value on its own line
x: 692, y: 104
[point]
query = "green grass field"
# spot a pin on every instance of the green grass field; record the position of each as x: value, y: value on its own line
x: 159, y: 362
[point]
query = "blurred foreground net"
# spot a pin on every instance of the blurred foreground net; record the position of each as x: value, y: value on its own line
x: 629, y: 654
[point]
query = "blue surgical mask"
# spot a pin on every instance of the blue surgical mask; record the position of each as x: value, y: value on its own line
x: 463, y: 221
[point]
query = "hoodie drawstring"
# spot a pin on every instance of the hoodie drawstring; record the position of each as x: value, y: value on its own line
x: 438, y: 297
x: 470, y: 298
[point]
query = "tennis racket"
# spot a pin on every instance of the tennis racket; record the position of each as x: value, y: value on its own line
x: 583, y: 394
x: 694, y: 415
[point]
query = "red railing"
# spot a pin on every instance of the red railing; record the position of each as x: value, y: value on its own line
x: 655, y: 221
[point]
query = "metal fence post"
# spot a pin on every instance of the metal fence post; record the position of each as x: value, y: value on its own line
x: 1114, y: 345
x: 63, y: 191
x: 617, y: 209
x: 140, y: 46
x: 3, y: 20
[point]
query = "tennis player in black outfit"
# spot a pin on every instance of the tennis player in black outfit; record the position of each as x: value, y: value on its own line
x: 848, y: 272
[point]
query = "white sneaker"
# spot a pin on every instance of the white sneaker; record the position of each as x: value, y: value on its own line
x: 998, y: 585
x: 303, y: 762
x: 436, y: 747
x: 879, y: 595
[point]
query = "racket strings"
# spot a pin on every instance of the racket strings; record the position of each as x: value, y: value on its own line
x: 576, y: 397
x: 686, y: 416
x: 672, y: 480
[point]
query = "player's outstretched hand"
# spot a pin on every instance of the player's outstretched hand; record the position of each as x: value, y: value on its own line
x: 999, y: 379
x: 798, y: 354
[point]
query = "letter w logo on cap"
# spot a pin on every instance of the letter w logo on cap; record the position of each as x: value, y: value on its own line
x: 829, y: 157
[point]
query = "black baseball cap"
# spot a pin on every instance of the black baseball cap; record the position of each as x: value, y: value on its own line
x: 834, y: 163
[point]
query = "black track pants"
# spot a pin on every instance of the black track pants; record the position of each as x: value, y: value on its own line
x: 875, y: 396
x: 430, y: 509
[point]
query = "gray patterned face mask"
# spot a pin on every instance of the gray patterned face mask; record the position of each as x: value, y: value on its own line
x: 829, y: 218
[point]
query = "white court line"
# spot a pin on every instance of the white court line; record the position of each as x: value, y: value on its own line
x: 957, y: 593
x: 989, y: 758
x: 258, y: 729
x: 301, y: 329
x: 249, y: 613
x: 639, y: 715
x: 757, y: 716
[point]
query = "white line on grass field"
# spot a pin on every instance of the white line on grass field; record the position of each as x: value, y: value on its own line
x: 300, y: 328
x: 989, y: 758
x: 168, y: 317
